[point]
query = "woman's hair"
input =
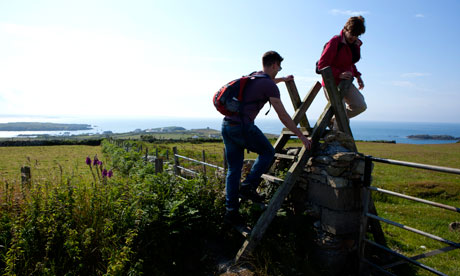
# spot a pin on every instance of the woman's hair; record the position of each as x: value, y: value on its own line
x: 355, y: 25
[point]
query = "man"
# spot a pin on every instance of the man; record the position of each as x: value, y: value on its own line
x: 239, y: 133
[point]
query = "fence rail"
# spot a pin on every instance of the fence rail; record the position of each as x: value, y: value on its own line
x: 178, y: 168
x: 366, y: 199
x: 436, y: 204
x: 199, y: 162
x: 416, y: 165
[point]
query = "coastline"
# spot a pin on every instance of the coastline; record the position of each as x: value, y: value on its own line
x: 362, y: 130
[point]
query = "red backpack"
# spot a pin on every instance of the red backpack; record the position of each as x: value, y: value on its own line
x: 228, y: 100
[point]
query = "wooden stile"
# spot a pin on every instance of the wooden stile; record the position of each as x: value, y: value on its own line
x: 334, y: 107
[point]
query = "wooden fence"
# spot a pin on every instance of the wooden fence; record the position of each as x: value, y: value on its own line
x: 178, y: 169
x: 367, y: 189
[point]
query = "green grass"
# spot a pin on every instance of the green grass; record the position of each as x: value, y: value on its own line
x: 43, y: 159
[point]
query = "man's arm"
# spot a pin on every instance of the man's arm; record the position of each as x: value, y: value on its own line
x: 285, y: 79
x: 287, y: 120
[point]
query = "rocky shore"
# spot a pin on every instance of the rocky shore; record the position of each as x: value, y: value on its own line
x: 433, y: 137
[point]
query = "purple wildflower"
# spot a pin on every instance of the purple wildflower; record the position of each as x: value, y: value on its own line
x: 110, y: 173
x: 104, y: 173
x: 99, y: 163
x: 88, y: 161
x: 95, y: 161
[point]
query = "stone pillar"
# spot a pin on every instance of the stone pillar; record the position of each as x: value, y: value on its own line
x: 329, y: 191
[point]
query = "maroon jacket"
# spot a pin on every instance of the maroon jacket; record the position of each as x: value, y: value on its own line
x: 340, y: 61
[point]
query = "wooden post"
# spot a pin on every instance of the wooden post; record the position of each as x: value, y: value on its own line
x: 366, y: 194
x: 368, y: 207
x: 204, y: 160
x: 158, y: 165
x: 167, y: 155
x: 375, y: 226
x: 335, y: 98
x: 25, y: 176
x: 146, y: 153
x: 295, y: 99
x: 176, y: 162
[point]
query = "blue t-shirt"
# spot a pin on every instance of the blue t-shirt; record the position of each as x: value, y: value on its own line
x: 256, y: 95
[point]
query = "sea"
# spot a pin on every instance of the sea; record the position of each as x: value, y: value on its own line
x: 362, y: 130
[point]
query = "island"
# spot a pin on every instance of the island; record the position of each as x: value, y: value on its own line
x: 36, y: 126
x: 432, y: 137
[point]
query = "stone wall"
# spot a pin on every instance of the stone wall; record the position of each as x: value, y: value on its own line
x: 329, y: 191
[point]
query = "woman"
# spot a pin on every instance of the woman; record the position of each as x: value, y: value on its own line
x: 341, y: 53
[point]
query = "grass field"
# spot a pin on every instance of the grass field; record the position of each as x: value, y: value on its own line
x: 43, y: 159
x: 439, y: 187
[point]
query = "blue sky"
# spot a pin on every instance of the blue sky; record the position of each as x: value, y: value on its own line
x: 167, y: 58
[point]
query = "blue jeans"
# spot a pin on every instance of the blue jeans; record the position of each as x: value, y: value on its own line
x: 238, y: 137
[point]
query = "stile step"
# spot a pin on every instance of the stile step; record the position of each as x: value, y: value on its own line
x: 304, y: 131
x: 286, y: 156
x: 272, y: 178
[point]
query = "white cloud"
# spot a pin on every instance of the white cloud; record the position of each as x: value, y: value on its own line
x: 348, y: 12
x: 415, y: 74
x: 420, y: 15
x: 404, y: 84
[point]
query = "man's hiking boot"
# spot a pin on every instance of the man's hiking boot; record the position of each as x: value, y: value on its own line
x: 233, y: 218
x: 246, y: 192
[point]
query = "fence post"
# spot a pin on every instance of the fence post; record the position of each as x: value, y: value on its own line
x: 167, y: 155
x: 158, y: 165
x: 25, y: 176
x: 176, y: 162
x: 156, y: 152
x: 366, y: 195
x: 146, y: 153
x: 369, y: 207
x: 204, y: 160
x: 375, y: 227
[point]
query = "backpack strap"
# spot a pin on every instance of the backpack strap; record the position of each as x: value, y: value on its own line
x: 338, y: 49
x: 253, y: 102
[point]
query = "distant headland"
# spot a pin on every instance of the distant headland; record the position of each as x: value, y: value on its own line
x: 36, y: 126
x: 433, y: 137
